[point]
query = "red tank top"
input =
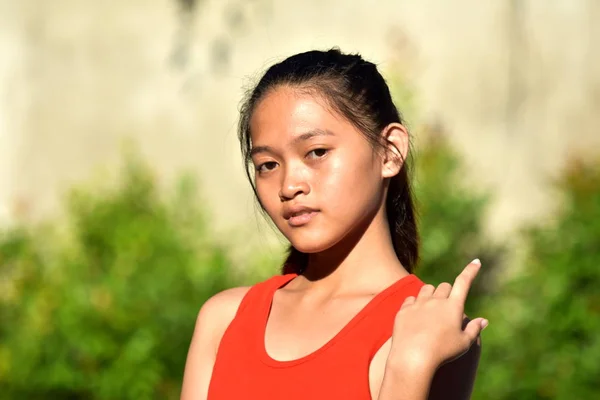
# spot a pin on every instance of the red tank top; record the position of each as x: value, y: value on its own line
x: 337, y: 370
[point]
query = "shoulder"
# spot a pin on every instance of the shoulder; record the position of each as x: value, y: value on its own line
x: 218, y: 311
x: 227, y: 299
x: 212, y: 321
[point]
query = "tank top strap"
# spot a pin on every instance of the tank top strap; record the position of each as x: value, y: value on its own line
x: 259, y: 296
x: 376, y: 327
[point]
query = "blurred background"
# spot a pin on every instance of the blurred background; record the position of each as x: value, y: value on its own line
x: 124, y: 205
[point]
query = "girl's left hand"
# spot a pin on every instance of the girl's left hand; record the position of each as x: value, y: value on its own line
x: 428, y: 329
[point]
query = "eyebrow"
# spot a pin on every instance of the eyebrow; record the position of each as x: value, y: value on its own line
x: 311, y: 134
x: 300, y: 138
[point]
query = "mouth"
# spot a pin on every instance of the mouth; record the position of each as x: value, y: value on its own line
x: 299, y: 215
x: 301, y: 218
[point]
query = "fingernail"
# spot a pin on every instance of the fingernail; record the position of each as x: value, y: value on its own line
x: 476, y: 261
x: 484, y: 324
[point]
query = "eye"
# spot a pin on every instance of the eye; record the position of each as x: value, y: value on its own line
x: 317, y: 153
x: 266, y: 167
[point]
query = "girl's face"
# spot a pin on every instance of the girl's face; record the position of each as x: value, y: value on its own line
x: 316, y: 175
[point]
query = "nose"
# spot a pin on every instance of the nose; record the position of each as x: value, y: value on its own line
x: 294, y: 183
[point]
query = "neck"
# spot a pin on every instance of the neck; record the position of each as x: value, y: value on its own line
x: 364, y: 258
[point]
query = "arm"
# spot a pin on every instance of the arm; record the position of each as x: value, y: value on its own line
x: 453, y: 380
x: 456, y: 379
x: 434, y: 349
x: 213, y: 319
x: 408, y: 382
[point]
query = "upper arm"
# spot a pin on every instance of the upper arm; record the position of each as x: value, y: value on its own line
x: 212, y: 321
x: 455, y: 379
x: 452, y: 381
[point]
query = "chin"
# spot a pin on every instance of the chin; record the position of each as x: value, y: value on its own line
x: 311, y: 243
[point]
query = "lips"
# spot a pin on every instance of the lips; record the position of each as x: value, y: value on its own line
x: 296, y: 211
x: 301, y: 219
x: 299, y: 215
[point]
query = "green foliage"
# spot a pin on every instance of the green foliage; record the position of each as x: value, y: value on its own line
x: 450, y: 213
x: 543, y: 341
x: 450, y: 219
x: 104, y: 308
x: 107, y: 310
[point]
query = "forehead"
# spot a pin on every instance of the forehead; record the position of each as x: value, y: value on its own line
x: 285, y: 112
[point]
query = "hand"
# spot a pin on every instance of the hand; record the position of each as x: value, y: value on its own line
x: 428, y: 329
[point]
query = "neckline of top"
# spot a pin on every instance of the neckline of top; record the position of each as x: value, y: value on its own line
x: 282, y: 280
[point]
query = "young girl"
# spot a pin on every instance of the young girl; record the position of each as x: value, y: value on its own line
x: 347, y: 319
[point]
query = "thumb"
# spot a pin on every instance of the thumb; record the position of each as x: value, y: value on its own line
x: 474, y: 328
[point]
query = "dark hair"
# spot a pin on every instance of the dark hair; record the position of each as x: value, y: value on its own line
x: 353, y: 87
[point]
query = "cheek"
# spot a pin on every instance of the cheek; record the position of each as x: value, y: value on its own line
x: 350, y: 184
x: 268, y: 195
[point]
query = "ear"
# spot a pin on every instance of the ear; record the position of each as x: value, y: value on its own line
x: 396, y: 139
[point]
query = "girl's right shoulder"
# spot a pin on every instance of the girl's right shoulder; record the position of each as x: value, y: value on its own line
x: 213, y: 318
x: 218, y: 311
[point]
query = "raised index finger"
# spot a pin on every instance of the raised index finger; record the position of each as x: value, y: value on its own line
x: 463, y: 281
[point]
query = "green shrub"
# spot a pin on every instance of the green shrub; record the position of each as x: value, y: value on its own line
x: 450, y: 212
x: 450, y: 216
x: 544, y: 336
x: 102, y: 305
x: 105, y: 309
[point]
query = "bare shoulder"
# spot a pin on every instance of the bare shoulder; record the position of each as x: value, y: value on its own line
x: 221, y: 308
x: 214, y: 317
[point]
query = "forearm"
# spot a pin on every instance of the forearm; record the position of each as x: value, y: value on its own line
x: 406, y: 381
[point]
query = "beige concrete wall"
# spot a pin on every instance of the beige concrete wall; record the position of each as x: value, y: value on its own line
x: 517, y: 89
